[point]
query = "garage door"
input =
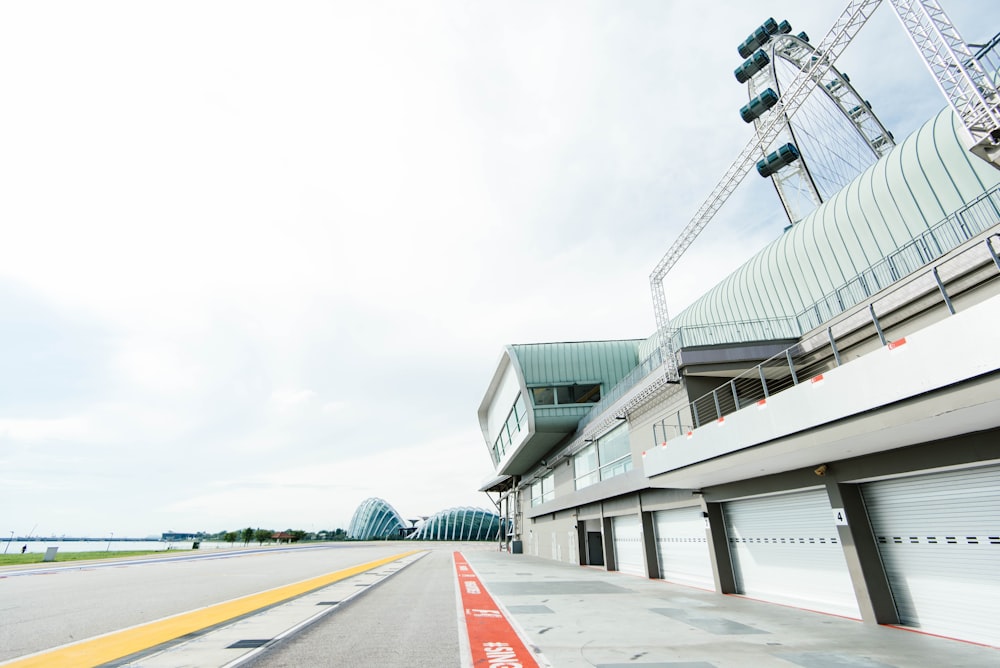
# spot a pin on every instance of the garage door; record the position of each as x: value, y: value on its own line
x: 785, y: 549
x: 939, y: 539
x: 682, y: 547
x: 628, y: 545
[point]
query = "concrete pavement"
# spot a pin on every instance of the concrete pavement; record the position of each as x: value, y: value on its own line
x: 408, y: 612
x: 581, y: 616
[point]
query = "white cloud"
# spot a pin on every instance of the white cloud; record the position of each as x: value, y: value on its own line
x: 28, y: 430
x: 294, y: 239
x: 286, y: 399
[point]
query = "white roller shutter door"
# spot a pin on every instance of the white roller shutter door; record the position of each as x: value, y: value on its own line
x: 682, y: 547
x: 939, y: 539
x: 785, y: 549
x: 628, y: 545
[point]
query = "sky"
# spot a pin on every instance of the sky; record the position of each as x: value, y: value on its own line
x: 259, y: 260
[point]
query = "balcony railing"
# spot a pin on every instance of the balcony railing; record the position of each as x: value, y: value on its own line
x: 971, y: 220
x: 798, y: 365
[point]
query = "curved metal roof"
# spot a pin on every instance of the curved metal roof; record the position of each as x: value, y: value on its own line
x: 597, y: 361
x: 920, y: 182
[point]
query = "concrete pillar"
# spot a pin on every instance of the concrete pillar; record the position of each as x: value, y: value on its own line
x: 610, y: 563
x: 649, y: 545
x: 871, y: 586
x: 718, y: 548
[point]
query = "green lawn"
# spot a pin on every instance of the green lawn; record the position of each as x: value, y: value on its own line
x: 36, y: 557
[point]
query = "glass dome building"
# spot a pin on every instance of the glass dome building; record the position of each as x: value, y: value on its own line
x: 460, y: 524
x: 375, y: 520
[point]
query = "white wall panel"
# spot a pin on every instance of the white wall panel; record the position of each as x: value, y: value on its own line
x: 682, y: 547
x: 939, y: 539
x: 785, y: 549
x: 628, y: 545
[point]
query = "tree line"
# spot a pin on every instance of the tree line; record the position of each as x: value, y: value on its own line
x: 262, y: 536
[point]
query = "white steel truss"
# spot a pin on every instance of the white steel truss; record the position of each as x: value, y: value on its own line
x: 962, y: 80
x: 967, y: 87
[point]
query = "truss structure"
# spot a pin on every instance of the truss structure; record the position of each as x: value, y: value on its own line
x: 968, y: 89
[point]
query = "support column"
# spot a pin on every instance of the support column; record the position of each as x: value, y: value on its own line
x: 610, y: 563
x: 649, y: 545
x: 871, y: 586
x: 718, y: 548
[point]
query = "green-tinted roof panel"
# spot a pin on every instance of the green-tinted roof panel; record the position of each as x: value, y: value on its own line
x: 604, y: 362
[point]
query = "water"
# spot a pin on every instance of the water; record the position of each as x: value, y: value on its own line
x: 36, y: 545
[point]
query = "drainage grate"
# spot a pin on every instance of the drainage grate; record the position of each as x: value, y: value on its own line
x: 249, y: 644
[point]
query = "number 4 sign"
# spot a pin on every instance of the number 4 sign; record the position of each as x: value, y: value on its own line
x: 839, y: 517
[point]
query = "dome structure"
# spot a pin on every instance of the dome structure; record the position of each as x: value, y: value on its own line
x: 460, y: 524
x: 375, y: 520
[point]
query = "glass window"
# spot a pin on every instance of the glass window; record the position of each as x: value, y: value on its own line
x: 548, y: 488
x: 543, y: 396
x: 579, y: 394
x: 519, y: 409
x: 616, y: 468
x: 512, y: 424
x: 536, y: 492
x: 543, y: 490
x: 585, y: 467
x: 614, y: 445
x: 614, y: 453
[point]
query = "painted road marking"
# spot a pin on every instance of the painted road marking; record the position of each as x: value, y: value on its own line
x: 493, y: 641
x: 119, y: 644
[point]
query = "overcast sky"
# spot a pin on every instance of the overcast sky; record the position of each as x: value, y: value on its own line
x: 259, y: 260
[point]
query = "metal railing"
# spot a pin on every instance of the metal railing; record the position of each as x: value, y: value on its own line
x: 799, y: 364
x: 975, y: 218
x: 735, y: 332
x: 955, y: 229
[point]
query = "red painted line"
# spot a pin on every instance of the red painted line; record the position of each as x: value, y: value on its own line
x: 936, y: 635
x: 492, y: 639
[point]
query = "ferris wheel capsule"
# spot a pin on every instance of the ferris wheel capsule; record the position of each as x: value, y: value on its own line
x: 830, y: 138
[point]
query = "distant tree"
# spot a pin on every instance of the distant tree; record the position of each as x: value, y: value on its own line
x: 263, y: 535
x: 297, y: 535
x: 339, y: 534
x: 247, y: 535
x: 229, y: 537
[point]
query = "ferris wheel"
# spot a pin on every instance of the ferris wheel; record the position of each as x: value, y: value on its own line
x: 833, y: 136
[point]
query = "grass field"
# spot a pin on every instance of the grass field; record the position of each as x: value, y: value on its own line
x: 37, y: 557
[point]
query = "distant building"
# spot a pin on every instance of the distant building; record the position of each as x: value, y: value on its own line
x: 173, y: 535
x: 375, y: 519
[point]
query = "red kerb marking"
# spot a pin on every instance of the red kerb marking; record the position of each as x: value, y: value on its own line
x: 897, y: 343
x: 492, y: 639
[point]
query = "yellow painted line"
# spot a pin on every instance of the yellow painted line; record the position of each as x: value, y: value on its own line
x: 117, y: 644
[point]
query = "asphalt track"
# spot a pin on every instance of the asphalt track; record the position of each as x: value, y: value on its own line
x: 444, y: 605
x: 259, y: 607
x: 101, y: 612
